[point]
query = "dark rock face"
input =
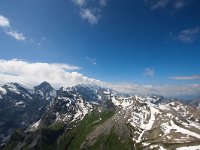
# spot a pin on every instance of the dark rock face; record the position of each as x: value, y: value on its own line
x: 19, y: 107
x: 44, y: 91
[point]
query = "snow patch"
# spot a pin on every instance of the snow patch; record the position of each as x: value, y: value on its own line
x: 13, y: 88
x: 3, y: 91
x: 83, y: 109
x: 167, y: 127
x: 34, y: 126
x: 189, y: 148
x: 107, y: 92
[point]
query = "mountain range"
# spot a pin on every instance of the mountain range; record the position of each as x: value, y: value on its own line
x: 91, y: 117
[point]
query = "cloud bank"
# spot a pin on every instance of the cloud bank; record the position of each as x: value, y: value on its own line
x: 31, y: 74
x: 179, y: 91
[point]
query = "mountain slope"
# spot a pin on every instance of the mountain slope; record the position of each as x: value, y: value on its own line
x: 91, y: 117
x: 19, y: 107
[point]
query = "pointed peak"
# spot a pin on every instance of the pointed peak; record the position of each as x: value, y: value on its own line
x: 44, y: 86
x: 45, y: 83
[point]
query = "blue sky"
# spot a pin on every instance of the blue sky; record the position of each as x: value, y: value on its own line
x: 134, y: 41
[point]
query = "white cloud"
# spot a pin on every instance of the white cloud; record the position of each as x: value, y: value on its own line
x: 79, y: 2
x: 4, y: 22
x: 189, y: 35
x: 193, y: 77
x: 149, y: 72
x: 31, y: 74
x: 88, y: 15
x: 16, y: 35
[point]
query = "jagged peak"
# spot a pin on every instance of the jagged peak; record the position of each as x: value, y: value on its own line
x: 15, y: 87
x: 11, y: 84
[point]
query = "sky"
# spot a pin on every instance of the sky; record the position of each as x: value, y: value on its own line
x: 146, y: 46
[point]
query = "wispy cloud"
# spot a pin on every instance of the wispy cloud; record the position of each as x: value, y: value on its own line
x: 79, y: 2
x: 92, y: 61
x: 159, y: 4
x: 193, y: 77
x: 43, y: 38
x: 19, y: 36
x: 90, y: 16
x: 189, y: 35
x: 102, y: 2
x: 149, y: 72
x: 171, y: 4
x: 179, y: 4
x: 16, y: 35
x: 90, y: 10
x: 4, y: 22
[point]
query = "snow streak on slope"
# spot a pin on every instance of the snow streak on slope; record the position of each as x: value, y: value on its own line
x: 189, y: 148
x: 34, y: 126
x: 167, y: 127
x: 149, y: 124
x: 13, y: 88
x: 170, y: 122
x: 83, y: 109
x: 2, y: 90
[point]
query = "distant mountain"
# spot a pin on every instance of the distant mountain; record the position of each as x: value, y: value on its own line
x: 92, y: 117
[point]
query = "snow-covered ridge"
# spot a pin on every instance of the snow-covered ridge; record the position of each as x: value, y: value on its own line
x: 12, y: 87
x: 174, y: 121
